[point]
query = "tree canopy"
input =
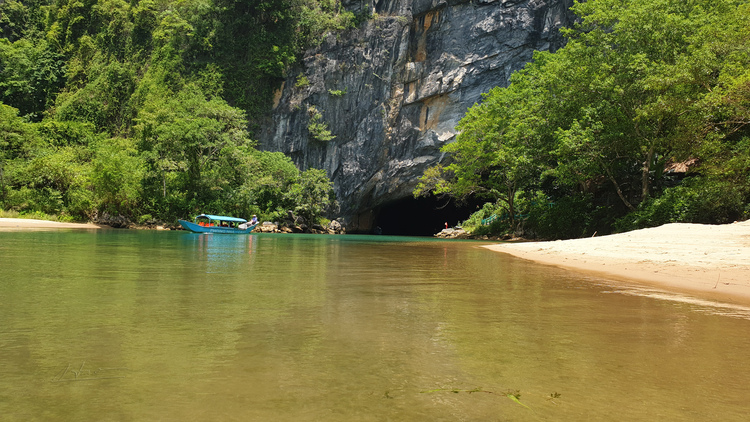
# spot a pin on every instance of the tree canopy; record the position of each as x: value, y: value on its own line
x: 145, y: 108
x: 597, y: 128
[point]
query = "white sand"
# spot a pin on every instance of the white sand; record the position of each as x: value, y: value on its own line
x: 709, y: 260
x: 26, y: 224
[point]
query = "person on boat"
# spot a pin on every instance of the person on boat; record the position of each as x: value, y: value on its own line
x: 254, y: 220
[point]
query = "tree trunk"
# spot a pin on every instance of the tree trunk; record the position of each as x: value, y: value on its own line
x: 512, y: 205
x: 2, y: 183
x: 645, y: 176
x: 617, y: 186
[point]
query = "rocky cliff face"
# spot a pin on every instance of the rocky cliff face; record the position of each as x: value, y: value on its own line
x: 392, y: 91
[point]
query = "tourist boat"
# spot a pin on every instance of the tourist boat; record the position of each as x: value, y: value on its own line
x: 207, y: 223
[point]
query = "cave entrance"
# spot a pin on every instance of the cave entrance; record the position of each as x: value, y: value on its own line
x: 424, y: 216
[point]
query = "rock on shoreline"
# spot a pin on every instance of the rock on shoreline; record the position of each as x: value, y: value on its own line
x: 453, y: 233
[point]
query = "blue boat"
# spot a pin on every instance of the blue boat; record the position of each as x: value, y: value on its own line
x: 207, y: 223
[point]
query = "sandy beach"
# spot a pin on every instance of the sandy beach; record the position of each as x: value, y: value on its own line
x: 710, y: 261
x: 29, y: 224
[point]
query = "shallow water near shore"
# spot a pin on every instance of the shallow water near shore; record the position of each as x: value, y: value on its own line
x: 144, y: 325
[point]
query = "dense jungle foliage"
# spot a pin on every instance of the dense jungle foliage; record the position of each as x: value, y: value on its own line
x: 143, y: 108
x: 596, y: 137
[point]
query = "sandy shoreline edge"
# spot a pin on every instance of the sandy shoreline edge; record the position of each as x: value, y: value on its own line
x: 710, y: 261
x: 27, y: 223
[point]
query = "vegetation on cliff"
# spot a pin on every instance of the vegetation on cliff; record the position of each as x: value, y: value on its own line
x: 640, y: 120
x: 144, y: 108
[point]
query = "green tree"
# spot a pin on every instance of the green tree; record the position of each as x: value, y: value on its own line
x: 116, y: 174
x: 634, y: 73
x: 58, y: 181
x: 500, y: 149
x: 103, y: 101
x: 14, y: 19
x: 31, y: 74
x: 130, y: 104
x: 637, y: 86
x: 269, y: 177
x: 18, y: 142
x: 311, y: 196
x: 186, y: 141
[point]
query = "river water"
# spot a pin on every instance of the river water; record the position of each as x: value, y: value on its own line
x: 115, y: 325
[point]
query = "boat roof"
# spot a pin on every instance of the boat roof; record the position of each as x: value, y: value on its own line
x: 223, y: 218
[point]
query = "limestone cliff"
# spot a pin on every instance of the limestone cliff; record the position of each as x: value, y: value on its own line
x: 392, y: 90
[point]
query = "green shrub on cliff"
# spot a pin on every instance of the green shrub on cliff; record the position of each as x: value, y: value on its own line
x: 318, y: 128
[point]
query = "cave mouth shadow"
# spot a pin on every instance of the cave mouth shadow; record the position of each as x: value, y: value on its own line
x: 424, y: 216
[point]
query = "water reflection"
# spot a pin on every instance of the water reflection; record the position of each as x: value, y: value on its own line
x: 222, y: 251
x: 173, y: 326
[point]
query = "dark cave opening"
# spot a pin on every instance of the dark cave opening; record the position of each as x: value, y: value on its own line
x: 422, y: 216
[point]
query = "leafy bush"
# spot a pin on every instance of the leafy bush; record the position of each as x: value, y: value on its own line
x: 32, y: 73
x: 489, y: 220
x: 117, y: 173
x: 312, y: 195
x: 697, y: 200
x: 495, y: 227
x: 565, y: 218
x: 302, y: 81
x: 475, y: 219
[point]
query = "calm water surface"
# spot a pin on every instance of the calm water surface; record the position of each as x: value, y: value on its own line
x: 144, y: 326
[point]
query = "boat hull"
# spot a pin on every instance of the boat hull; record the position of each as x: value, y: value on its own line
x: 196, y: 228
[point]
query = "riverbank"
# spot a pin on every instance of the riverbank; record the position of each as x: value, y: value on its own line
x: 27, y: 223
x: 7, y: 224
x: 712, y: 261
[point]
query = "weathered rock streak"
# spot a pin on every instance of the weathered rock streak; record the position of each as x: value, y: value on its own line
x: 393, y: 90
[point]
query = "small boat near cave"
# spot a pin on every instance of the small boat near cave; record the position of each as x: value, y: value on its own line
x: 207, y: 223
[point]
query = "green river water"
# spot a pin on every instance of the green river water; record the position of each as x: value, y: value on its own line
x: 113, y: 325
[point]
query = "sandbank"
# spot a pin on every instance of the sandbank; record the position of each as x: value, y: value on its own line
x: 711, y: 261
x: 7, y: 224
